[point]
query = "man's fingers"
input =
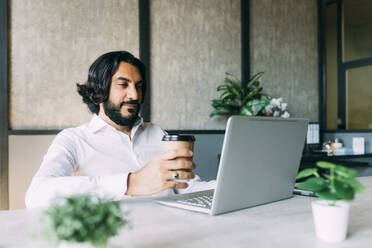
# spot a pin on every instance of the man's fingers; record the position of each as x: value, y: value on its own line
x: 179, y: 174
x: 180, y: 164
x: 181, y: 186
x: 176, y: 185
x: 176, y: 153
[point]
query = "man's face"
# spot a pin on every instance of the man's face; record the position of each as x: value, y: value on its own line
x: 123, y: 104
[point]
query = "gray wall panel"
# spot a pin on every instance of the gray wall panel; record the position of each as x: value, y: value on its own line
x: 53, y: 43
x: 193, y: 44
x: 284, y: 46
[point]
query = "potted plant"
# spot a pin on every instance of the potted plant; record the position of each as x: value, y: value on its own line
x: 246, y: 99
x: 335, y: 191
x: 83, y: 221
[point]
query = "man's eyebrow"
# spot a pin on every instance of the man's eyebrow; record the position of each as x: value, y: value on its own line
x: 127, y: 80
x: 123, y: 78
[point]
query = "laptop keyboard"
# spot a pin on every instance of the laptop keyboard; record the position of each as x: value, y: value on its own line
x: 204, y: 200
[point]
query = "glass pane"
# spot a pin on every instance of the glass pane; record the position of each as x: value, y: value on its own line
x: 331, y: 65
x: 359, y: 98
x: 357, y: 26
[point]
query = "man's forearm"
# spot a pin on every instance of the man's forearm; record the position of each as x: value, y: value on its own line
x: 131, y: 185
x: 43, y: 190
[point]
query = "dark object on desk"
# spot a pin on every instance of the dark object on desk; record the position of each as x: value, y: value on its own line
x: 309, y: 160
x: 304, y: 192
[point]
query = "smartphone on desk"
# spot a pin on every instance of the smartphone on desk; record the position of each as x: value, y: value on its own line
x: 304, y: 192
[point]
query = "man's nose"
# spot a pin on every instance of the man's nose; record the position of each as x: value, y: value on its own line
x: 133, y: 93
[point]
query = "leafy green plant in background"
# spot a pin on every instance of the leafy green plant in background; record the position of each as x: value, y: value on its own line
x: 339, y: 184
x: 238, y: 99
x: 83, y: 218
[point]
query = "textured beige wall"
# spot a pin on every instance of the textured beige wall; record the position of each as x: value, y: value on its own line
x: 193, y: 44
x: 53, y: 43
x: 284, y: 45
x: 24, y: 160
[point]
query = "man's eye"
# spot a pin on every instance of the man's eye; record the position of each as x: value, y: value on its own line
x: 124, y: 85
x: 139, y: 86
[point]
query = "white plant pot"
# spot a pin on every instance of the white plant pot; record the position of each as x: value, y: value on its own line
x: 331, y: 221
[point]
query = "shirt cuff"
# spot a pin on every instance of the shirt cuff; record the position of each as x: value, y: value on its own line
x: 115, y: 185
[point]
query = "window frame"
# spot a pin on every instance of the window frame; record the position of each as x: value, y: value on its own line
x: 342, y: 68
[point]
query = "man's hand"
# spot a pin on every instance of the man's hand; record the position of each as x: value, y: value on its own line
x: 157, y: 175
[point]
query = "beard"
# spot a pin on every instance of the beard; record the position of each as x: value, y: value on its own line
x: 113, y: 112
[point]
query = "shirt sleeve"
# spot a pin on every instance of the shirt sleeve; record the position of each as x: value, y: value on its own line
x: 55, y: 177
x: 197, y: 185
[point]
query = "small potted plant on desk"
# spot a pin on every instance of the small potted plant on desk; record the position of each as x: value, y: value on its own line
x: 335, y: 192
x: 83, y: 221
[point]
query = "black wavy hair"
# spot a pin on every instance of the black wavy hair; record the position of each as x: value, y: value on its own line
x: 97, y: 88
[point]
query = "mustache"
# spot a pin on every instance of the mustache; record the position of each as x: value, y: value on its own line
x: 133, y: 102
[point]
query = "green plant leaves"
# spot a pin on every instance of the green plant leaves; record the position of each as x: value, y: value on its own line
x: 230, y: 78
x: 236, y: 88
x: 315, y: 184
x: 355, y: 184
x: 237, y: 92
x: 220, y: 111
x: 328, y: 195
x: 267, y: 97
x: 256, y: 102
x: 231, y: 103
x: 226, y: 95
x: 245, y: 111
x: 227, y: 103
x: 223, y: 87
x: 343, y: 190
x: 236, y: 99
x: 325, y: 165
x: 216, y: 103
x: 345, y: 172
x: 253, y: 93
x: 82, y: 218
x: 339, y: 184
x: 254, y: 79
x: 306, y: 173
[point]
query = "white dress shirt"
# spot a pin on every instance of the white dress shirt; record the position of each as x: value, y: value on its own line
x: 104, y: 156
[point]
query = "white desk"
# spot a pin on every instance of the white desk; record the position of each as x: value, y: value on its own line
x: 286, y: 223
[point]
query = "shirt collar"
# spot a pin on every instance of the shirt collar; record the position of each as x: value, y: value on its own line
x: 96, y: 124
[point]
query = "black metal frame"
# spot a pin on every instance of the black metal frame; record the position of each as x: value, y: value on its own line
x: 322, y: 63
x: 245, y: 43
x: 342, y: 67
x: 340, y: 75
x: 4, y: 103
x: 144, y: 52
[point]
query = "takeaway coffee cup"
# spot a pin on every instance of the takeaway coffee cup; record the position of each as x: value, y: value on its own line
x: 177, y: 141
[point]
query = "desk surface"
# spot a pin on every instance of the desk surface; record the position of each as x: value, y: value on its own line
x: 286, y: 223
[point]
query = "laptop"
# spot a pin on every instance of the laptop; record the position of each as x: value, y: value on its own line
x: 259, y: 162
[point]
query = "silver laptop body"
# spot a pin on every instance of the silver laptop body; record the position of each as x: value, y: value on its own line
x: 259, y: 162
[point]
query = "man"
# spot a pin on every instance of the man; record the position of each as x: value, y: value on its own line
x: 116, y: 154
